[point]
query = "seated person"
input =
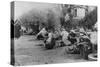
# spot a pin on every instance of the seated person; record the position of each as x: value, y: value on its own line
x: 64, y: 35
x: 57, y: 35
x: 50, y: 41
x: 42, y: 34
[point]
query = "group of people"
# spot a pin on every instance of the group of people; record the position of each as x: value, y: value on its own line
x: 67, y: 37
x: 50, y: 36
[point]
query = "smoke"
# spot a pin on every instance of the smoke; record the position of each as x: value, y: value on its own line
x: 32, y: 12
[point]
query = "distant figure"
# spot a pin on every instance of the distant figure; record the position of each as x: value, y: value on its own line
x: 42, y: 34
x: 23, y: 30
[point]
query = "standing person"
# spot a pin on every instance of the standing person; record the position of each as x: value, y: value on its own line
x: 93, y: 39
x: 64, y: 35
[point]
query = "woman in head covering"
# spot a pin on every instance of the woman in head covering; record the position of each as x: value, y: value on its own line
x: 64, y: 35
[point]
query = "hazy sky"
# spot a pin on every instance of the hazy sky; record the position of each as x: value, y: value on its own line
x: 24, y: 7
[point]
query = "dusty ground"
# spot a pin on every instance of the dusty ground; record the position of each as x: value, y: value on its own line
x: 29, y: 52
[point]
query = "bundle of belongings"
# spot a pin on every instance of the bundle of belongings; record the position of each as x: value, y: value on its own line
x: 85, y: 46
x: 76, y: 42
x: 80, y: 43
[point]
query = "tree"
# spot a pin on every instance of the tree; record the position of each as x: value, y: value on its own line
x: 90, y: 20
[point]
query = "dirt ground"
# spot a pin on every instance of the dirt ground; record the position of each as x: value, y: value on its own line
x: 29, y: 51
